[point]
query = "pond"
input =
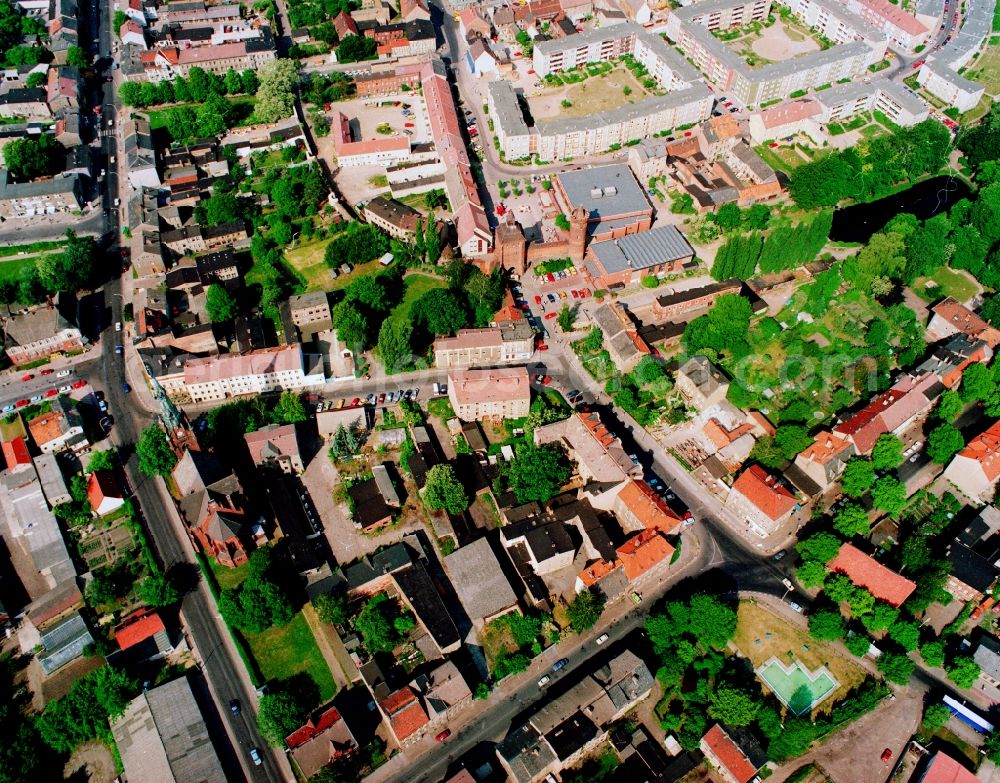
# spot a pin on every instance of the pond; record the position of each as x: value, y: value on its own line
x: 857, y: 223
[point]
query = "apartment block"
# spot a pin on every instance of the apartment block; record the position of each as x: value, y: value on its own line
x: 503, y: 393
x: 258, y: 372
x: 508, y: 343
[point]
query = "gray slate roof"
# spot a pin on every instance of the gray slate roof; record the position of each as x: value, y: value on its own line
x: 479, y: 581
x: 604, y: 190
x: 643, y: 250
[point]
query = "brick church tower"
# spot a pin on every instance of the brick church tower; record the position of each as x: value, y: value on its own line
x: 510, y: 248
x: 577, y: 234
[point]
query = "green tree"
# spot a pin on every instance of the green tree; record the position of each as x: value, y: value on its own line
x: 369, y: 290
x: 331, y: 608
x: 118, y: 20
x: 895, y: 667
x: 77, y: 57
x: 838, y: 588
x: 766, y: 452
x: 977, y: 383
x: 289, y: 410
x: 712, y: 622
x: 887, y: 453
x: 440, y: 311
x: 345, y: 445
x: 350, y: 323
x: 728, y: 217
x: 443, y: 490
x: 889, y: 494
x: 276, y: 93
x: 881, y: 618
x: 935, y: 716
x: 432, y: 239
x: 733, y: 706
x: 791, y: 439
x: 585, y: 610
x: 278, y: 715
x: 826, y: 625
x: 31, y: 157
x: 255, y: 605
x: 485, y: 295
x: 354, y: 48
x: 157, y: 590
x: 906, y: 633
x: 811, y: 574
x: 394, y: 348
x: 562, y: 222
x: 932, y: 653
x: 949, y: 406
x: 155, y: 455
x: 861, y: 602
x: 376, y: 624
x: 537, y: 472
x: 859, y: 475
x: 821, y: 547
x: 102, y: 460
x: 724, y: 327
x: 566, y: 318
x: 944, y: 442
x: 858, y: 644
x: 83, y: 713
x: 851, y: 520
x: 220, y: 305
x: 963, y: 671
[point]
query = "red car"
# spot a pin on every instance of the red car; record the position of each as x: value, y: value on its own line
x: 576, y: 294
x: 531, y: 73
x: 550, y: 277
x: 538, y: 300
x: 550, y: 316
x: 355, y: 401
x: 543, y: 347
x: 409, y: 125
x: 21, y: 403
x: 51, y: 392
x: 47, y: 371
x: 886, y: 755
x: 443, y: 735
x: 79, y: 384
x: 27, y: 377
x: 546, y: 380
x: 918, y: 63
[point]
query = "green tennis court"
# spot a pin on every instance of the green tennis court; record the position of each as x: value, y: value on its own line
x: 795, y: 686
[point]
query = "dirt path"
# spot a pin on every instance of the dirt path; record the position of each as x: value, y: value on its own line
x: 91, y: 762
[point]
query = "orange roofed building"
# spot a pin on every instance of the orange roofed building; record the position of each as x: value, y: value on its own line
x: 642, y: 552
x: 320, y: 741
x: 639, y: 508
x: 144, y: 629
x: 405, y: 714
x: 761, y: 499
x: 893, y: 411
x: 976, y: 468
x: 824, y: 459
x: 865, y: 571
x: 737, y: 761
x: 951, y: 317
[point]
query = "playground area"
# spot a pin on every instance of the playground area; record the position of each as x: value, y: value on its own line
x: 796, y: 687
x: 605, y: 92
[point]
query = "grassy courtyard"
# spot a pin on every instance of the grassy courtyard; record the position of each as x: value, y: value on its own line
x: 761, y: 635
x: 307, y: 260
x: 228, y: 578
x: 284, y: 651
x: 416, y: 287
x: 986, y: 69
x: 948, y: 283
x: 595, y: 94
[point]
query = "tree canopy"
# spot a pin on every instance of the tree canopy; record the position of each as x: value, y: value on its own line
x: 585, y: 610
x: 276, y: 93
x: 443, y: 490
x: 724, y: 327
x: 826, y: 625
x: 733, y: 706
x: 156, y: 458
x: 537, y: 472
x: 944, y: 442
x: 220, y: 304
x: 859, y: 475
x: 887, y: 453
x: 31, y: 157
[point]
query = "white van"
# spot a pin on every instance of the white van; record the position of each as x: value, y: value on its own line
x: 437, y: 389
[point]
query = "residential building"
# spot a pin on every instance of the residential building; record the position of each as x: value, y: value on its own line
x: 509, y: 342
x: 762, y: 500
x: 386, y: 82
x: 63, y: 642
x: 480, y: 582
x: 733, y: 753
x: 825, y: 458
x: 701, y: 383
x: 28, y: 102
x: 404, y: 714
x: 59, y: 429
x: 503, y: 393
x: 104, y: 493
x: 891, y: 412
x: 864, y: 571
x: 310, y: 313
x: 276, y: 446
x: 258, y: 372
x: 371, y: 509
x: 971, y: 575
x: 39, y: 334
x: 444, y: 692
x: 639, y: 508
x: 143, y: 635
x: 168, y: 62
x: 394, y: 217
x: 951, y: 317
x: 358, y: 420
x: 162, y: 738
x: 219, y: 266
x: 596, y: 452
x: 621, y: 336
x: 41, y: 197
x: 323, y: 739
x: 949, y: 359
x: 642, y: 552
x: 543, y: 544
x: 49, y: 473
x: 987, y: 655
x: 976, y: 468
x: 481, y: 60
x: 377, y: 152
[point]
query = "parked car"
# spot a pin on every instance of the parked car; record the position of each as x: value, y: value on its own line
x: 561, y: 663
x: 602, y: 638
x: 27, y: 377
x: 36, y: 398
x: 47, y: 371
x: 9, y: 407
x: 545, y: 680
x: 63, y: 373
x: 119, y: 349
x: 795, y: 606
x: 21, y: 403
x: 886, y: 755
x: 538, y: 300
x: 118, y: 326
x: 79, y: 384
x: 443, y: 735
x: 51, y: 392
x: 234, y: 706
x: 550, y: 316
x: 780, y: 555
x: 65, y: 389
x: 255, y: 756
x: 126, y: 388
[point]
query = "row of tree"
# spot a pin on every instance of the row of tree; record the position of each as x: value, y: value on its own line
x: 197, y: 87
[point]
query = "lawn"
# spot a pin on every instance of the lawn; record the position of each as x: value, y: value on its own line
x: 12, y: 269
x: 761, y: 635
x: 158, y: 117
x: 228, y: 578
x: 986, y: 70
x: 784, y: 158
x: 497, y: 638
x: 416, y: 287
x: 291, y: 649
x: 949, y: 283
x: 308, y: 262
x: 594, y: 94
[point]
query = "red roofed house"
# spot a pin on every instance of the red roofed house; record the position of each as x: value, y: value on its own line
x: 104, y: 493
x: 638, y: 507
x: 15, y: 452
x: 944, y: 769
x: 824, y: 459
x: 736, y: 762
x: 892, y: 411
x: 276, y: 446
x: 220, y: 532
x: 761, y: 499
x: 405, y: 714
x: 642, y: 552
x: 345, y: 25
x: 320, y: 741
x: 951, y: 317
x: 865, y: 571
x: 131, y: 33
x: 976, y: 468
x: 786, y: 119
x: 144, y: 629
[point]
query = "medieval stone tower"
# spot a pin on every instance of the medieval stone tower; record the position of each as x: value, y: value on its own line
x: 510, y: 246
x: 577, y: 234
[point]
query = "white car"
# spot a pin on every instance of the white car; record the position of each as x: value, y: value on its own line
x: 118, y: 326
x: 64, y: 373
x: 65, y: 389
x: 544, y: 681
x: 795, y: 606
x: 602, y: 638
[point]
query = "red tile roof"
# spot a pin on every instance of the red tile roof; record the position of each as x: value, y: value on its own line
x: 864, y: 571
x: 406, y: 715
x: 595, y: 572
x: 944, y: 769
x: 888, y: 411
x: 138, y: 628
x: 100, y: 486
x: 964, y: 320
x: 785, y: 113
x: 642, y: 552
x: 765, y: 492
x: 16, y: 452
x: 302, y: 735
x: 728, y: 754
x: 825, y: 447
x: 985, y: 449
x: 648, y: 507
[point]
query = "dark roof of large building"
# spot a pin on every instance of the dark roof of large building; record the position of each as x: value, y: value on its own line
x: 418, y: 588
x: 371, y: 567
x: 971, y: 568
x: 571, y: 735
